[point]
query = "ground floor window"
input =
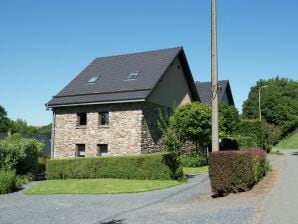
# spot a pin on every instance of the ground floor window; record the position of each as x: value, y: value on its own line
x: 102, y: 149
x: 80, y: 150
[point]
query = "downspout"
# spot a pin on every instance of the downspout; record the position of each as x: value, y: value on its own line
x: 53, y: 135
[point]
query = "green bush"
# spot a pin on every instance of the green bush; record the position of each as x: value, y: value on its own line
x: 194, y: 160
x: 7, y: 181
x: 20, y: 154
x: 152, y: 167
x: 22, y: 179
x: 236, y: 171
x: 251, y: 133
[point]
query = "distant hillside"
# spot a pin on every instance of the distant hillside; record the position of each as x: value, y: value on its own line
x: 45, y: 130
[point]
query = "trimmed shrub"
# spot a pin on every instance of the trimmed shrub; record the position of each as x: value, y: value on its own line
x: 251, y: 133
x: 7, y: 181
x: 194, y: 160
x: 142, y: 167
x: 236, y: 171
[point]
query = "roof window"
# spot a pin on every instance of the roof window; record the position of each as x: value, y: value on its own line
x: 93, y: 79
x: 133, y: 75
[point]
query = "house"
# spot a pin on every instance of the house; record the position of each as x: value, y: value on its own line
x: 224, y: 95
x: 112, y: 107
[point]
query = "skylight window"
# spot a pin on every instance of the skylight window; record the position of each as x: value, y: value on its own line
x: 93, y: 79
x: 133, y: 75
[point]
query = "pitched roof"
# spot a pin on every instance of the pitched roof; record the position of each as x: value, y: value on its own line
x: 204, y: 90
x: 113, y: 84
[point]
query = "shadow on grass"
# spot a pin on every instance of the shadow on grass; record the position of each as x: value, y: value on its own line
x: 120, y: 221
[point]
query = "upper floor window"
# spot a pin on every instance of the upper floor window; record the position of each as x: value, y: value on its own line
x: 104, y: 118
x: 82, y: 118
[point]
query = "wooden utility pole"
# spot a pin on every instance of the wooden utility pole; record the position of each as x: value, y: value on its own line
x: 214, y: 78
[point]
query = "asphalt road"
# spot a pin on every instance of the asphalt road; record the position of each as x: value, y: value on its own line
x: 190, y: 203
x: 187, y: 203
x: 281, y: 206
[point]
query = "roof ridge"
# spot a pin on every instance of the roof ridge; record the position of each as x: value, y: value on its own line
x: 140, y: 52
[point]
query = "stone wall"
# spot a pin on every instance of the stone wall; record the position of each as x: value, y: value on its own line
x: 132, y: 129
x: 151, y: 133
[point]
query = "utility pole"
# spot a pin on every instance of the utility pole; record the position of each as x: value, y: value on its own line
x: 260, y: 112
x: 214, y: 78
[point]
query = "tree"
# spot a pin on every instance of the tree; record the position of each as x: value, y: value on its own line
x: 4, y: 120
x: 279, y: 103
x: 229, y: 120
x: 21, y: 127
x: 45, y: 130
x: 189, y: 122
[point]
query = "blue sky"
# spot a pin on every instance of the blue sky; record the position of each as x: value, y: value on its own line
x: 45, y: 44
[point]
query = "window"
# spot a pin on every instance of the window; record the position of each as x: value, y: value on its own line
x: 104, y: 118
x: 82, y: 118
x: 102, y: 149
x: 133, y: 75
x: 93, y: 79
x: 80, y: 150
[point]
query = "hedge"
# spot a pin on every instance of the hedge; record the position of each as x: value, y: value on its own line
x: 194, y: 160
x: 251, y: 133
x: 7, y: 181
x: 141, y: 167
x: 236, y: 171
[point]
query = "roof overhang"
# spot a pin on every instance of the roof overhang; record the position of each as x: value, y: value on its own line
x: 94, y: 103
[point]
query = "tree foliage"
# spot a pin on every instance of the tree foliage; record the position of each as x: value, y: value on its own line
x: 229, y: 120
x: 21, y: 127
x: 279, y: 103
x: 4, y: 120
x: 45, y: 130
x: 189, y: 122
x: 20, y: 153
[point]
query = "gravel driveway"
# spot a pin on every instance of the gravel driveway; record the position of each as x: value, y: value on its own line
x: 188, y: 203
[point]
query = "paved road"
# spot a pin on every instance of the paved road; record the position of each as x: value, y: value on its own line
x: 281, y: 206
x: 187, y: 203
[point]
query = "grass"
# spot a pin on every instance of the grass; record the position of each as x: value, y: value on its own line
x: 193, y: 170
x: 98, y: 186
x: 290, y: 142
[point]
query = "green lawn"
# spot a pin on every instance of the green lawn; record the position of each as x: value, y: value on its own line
x: 291, y: 142
x: 98, y: 186
x: 193, y: 170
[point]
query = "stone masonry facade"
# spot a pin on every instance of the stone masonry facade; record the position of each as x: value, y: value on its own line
x: 132, y: 129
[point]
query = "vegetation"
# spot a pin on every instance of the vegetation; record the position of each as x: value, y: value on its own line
x: 18, y: 126
x: 236, y: 171
x: 4, y: 120
x: 7, y: 181
x: 45, y: 130
x: 20, y: 154
x: 98, y: 186
x: 189, y: 122
x: 229, y: 121
x: 290, y: 142
x: 142, y: 167
x: 279, y: 103
x: 195, y: 170
x: 194, y: 160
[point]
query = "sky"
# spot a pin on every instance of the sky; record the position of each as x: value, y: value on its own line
x: 45, y: 44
